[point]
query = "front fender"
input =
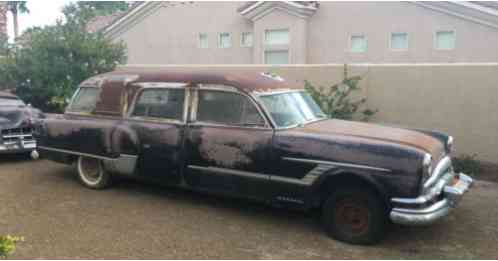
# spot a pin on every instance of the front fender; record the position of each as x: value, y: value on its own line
x: 341, y: 177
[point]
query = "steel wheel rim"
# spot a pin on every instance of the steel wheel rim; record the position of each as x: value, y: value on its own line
x: 352, y: 216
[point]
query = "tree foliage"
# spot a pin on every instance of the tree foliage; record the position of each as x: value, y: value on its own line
x: 104, y: 7
x: 55, y: 59
x: 17, y: 7
x: 337, y: 102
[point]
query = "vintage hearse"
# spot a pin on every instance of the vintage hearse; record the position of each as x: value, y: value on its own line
x: 16, y: 125
x: 257, y: 136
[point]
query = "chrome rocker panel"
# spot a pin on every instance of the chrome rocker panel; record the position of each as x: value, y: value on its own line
x: 428, y: 215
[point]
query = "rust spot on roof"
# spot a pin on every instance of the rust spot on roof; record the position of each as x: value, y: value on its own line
x: 244, y: 81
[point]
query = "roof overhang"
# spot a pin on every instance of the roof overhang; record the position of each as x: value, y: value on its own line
x: 131, y: 18
x: 465, y: 10
x: 257, y: 10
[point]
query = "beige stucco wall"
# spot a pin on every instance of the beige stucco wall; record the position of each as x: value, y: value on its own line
x: 331, y: 26
x: 297, y: 33
x: 461, y: 100
x: 170, y: 34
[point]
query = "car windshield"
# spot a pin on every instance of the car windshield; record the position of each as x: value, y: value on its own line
x: 292, y: 108
x: 10, y: 102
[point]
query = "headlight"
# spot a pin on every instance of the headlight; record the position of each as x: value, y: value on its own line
x: 427, y: 165
x: 449, y: 144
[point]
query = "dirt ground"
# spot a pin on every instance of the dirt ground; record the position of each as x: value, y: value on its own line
x: 60, y: 219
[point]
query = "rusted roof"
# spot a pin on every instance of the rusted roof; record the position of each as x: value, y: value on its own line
x: 248, y: 82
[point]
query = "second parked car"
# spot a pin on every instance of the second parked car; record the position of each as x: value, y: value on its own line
x: 16, y: 125
x: 254, y: 135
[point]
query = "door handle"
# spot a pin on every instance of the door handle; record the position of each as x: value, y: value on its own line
x: 146, y: 146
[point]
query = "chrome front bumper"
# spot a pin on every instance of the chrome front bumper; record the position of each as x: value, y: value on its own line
x: 437, y: 200
x: 18, y: 147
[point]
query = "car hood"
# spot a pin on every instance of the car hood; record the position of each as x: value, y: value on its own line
x: 15, y: 116
x: 400, y: 136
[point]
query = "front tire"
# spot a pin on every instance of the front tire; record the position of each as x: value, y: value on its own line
x: 356, y: 216
x: 92, y: 174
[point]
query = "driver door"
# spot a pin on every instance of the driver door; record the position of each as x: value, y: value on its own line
x: 228, y: 143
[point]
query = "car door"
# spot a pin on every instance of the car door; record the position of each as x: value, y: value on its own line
x: 228, y: 144
x: 158, y: 118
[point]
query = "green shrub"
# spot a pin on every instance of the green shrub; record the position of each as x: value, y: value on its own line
x: 8, y: 245
x: 336, y: 102
x: 467, y: 164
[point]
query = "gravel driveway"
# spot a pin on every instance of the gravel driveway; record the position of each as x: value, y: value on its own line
x: 59, y: 219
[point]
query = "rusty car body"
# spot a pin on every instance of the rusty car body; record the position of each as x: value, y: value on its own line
x: 17, y: 121
x: 257, y: 136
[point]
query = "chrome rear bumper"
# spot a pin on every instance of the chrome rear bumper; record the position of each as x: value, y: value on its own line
x: 451, y: 195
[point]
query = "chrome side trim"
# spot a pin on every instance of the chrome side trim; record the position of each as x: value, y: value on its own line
x: 168, y: 85
x: 217, y: 170
x: 76, y: 153
x: 307, y: 180
x: 291, y: 180
x: 125, y: 164
x: 337, y: 164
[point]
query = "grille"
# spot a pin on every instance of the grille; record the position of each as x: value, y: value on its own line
x: 16, y: 135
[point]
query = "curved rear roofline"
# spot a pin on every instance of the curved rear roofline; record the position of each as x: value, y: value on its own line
x: 246, y: 81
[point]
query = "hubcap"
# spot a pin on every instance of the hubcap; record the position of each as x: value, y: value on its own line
x: 352, y: 216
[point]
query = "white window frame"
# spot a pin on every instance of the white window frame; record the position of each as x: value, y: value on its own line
x: 199, y: 44
x: 276, y: 47
x: 351, y: 43
x: 277, y: 29
x: 242, y: 39
x: 407, y: 41
x: 435, y: 39
x: 229, y: 37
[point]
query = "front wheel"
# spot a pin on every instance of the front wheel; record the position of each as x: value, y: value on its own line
x: 92, y: 174
x: 356, y: 216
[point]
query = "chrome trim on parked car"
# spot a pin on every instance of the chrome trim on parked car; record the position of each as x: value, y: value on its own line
x: 334, y: 163
x: 75, y: 153
x: 452, y: 193
x: 125, y: 164
x: 438, y: 171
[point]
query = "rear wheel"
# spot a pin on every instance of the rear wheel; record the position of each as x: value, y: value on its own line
x: 92, y: 174
x: 355, y: 215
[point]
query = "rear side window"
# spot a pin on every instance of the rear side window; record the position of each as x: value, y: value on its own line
x: 160, y: 103
x: 85, y: 100
x: 227, y: 108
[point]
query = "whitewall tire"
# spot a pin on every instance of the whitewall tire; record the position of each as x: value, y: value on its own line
x: 91, y: 173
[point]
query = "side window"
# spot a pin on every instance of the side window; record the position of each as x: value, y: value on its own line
x: 160, y: 103
x: 85, y: 100
x: 227, y: 108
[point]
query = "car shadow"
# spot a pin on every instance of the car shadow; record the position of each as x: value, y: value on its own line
x: 400, y: 236
x: 14, y: 158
